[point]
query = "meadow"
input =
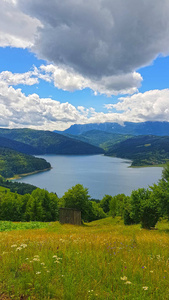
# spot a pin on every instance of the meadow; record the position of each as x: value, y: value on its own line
x: 100, y: 260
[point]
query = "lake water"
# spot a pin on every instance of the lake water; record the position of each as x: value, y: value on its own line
x: 100, y: 174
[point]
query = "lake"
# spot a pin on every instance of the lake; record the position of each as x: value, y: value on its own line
x: 100, y: 174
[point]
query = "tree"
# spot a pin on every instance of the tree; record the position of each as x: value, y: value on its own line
x: 78, y: 198
x: 142, y: 208
x: 105, y: 203
x: 97, y: 212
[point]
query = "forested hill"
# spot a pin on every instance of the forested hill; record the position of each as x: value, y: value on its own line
x: 100, y: 138
x: 143, y: 150
x: 17, y: 146
x: 143, y: 128
x: 12, y: 163
x: 47, y: 142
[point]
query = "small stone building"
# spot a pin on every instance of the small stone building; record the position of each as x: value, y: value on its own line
x: 70, y: 216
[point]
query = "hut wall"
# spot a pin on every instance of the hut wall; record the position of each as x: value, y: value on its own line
x: 70, y: 216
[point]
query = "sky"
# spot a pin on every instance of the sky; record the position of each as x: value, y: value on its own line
x: 83, y: 61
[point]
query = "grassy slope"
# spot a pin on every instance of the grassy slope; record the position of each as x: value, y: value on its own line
x: 101, y: 260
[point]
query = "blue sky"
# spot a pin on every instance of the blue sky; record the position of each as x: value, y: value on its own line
x: 78, y: 62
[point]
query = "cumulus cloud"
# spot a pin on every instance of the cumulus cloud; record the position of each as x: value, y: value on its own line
x: 28, y: 78
x: 16, y: 28
x: 152, y: 105
x: 69, y: 80
x: 18, y: 110
x: 100, y: 37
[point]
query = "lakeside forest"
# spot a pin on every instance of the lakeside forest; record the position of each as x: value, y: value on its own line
x: 23, y: 202
x: 143, y: 143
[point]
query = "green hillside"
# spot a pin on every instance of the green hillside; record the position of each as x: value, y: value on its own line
x: 47, y: 142
x: 143, y: 150
x: 100, y: 138
x: 17, y: 146
x: 12, y: 163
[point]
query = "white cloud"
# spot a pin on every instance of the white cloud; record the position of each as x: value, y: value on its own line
x: 27, y: 78
x: 18, y: 110
x: 16, y: 28
x: 69, y: 80
x: 149, y: 106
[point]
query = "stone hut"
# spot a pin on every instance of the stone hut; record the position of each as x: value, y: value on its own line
x: 70, y: 216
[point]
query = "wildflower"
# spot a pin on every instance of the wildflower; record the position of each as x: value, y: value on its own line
x: 123, y: 278
x: 37, y: 273
x: 42, y: 263
x: 57, y: 261
x: 127, y: 282
x: 54, y: 256
x: 36, y: 256
x: 12, y: 246
x: 24, y: 245
x: 36, y: 259
x: 19, y: 248
x: 151, y: 271
x: 145, y: 288
x: 26, y: 258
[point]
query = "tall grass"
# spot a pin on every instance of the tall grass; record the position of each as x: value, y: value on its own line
x: 101, y: 260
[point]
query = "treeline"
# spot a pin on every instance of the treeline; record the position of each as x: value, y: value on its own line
x: 40, y: 205
x: 18, y: 187
x: 144, y: 206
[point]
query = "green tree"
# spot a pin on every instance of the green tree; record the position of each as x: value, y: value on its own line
x: 78, y: 198
x: 97, y: 212
x: 142, y: 208
x: 105, y: 203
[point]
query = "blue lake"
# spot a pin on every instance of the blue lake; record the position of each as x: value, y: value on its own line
x: 100, y: 174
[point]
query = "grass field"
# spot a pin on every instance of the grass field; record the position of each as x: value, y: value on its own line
x: 100, y: 260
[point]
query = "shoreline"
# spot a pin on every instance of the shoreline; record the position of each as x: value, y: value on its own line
x: 149, y: 166
x: 142, y: 166
x: 18, y: 176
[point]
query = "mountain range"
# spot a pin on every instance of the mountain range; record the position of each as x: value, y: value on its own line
x: 143, y: 128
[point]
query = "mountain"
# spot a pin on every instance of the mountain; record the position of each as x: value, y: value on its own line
x: 13, y: 162
x: 143, y: 150
x: 47, y: 142
x: 100, y: 138
x: 144, y: 128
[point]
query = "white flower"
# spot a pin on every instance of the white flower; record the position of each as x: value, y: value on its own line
x: 127, y: 282
x: 145, y: 288
x: 19, y: 248
x: 123, y: 278
x: 23, y: 245
x: 36, y: 259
